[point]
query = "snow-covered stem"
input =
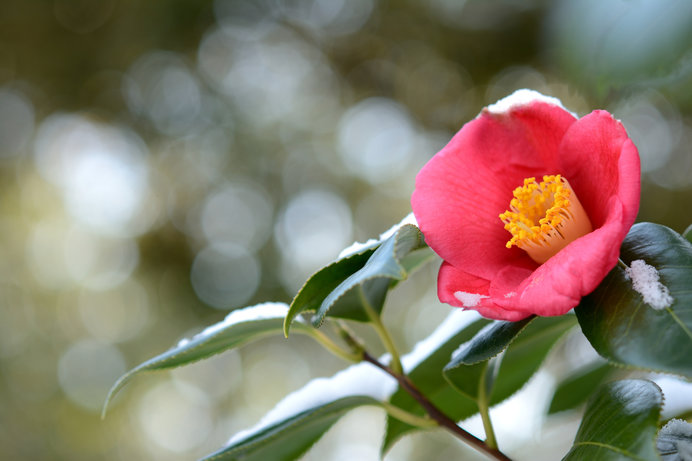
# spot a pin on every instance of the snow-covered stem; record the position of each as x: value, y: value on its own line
x: 435, y: 413
x: 381, y: 332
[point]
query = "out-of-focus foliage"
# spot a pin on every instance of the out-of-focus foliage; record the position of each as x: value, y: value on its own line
x: 164, y: 162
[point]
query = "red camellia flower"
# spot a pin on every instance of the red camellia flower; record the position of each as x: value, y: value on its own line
x: 528, y: 205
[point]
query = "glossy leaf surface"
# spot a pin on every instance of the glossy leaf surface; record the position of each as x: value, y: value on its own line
x: 626, y: 330
x: 526, y: 349
x: 620, y: 423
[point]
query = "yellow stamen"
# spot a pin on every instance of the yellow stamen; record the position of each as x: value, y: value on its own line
x: 545, y: 217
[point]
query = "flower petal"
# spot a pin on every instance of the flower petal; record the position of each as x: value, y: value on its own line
x: 600, y: 161
x: 558, y: 285
x: 455, y: 286
x: 462, y: 190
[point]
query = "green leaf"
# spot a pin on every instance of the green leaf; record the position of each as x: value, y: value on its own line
x: 674, y: 441
x: 620, y: 422
x: 623, y: 328
x: 324, y: 281
x: 427, y: 376
x: 578, y: 387
x: 488, y: 343
x: 341, y: 288
x: 688, y: 233
x: 290, y: 438
x: 221, y: 337
x: 371, y: 283
x: 527, y: 344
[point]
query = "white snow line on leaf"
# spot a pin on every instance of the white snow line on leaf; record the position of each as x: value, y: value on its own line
x: 261, y: 311
x: 356, y: 247
x: 360, y: 379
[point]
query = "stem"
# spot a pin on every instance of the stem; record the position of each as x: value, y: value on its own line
x: 436, y: 413
x: 332, y: 347
x: 381, y: 331
x: 484, y: 410
x: 422, y: 422
x: 622, y: 264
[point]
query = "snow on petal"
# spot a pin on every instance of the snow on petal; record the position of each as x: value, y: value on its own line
x: 645, y: 281
x: 523, y: 97
x: 469, y: 299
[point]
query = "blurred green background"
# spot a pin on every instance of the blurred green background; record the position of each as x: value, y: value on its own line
x: 164, y: 162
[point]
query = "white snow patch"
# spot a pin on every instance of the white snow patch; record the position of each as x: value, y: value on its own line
x: 645, y: 281
x: 674, y: 438
x: 521, y: 98
x: 359, y: 379
x: 356, y: 247
x: 469, y: 299
x: 678, y: 426
x: 511, y: 294
x: 261, y: 311
x: 452, y: 324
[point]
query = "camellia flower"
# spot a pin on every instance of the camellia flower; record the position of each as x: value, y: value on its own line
x: 528, y: 205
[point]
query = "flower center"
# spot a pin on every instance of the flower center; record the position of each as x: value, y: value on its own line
x: 545, y: 217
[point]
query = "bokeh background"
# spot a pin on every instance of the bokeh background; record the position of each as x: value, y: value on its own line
x: 164, y: 162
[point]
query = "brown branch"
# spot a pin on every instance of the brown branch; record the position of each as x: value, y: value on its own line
x: 435, y: 413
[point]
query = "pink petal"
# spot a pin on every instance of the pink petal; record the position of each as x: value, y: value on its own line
x: 462, y: 190
x: 559, y: 284
x: 451, y: 280
x: 600, y: 161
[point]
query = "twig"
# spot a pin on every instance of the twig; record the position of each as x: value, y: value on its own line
x: 435, y: 413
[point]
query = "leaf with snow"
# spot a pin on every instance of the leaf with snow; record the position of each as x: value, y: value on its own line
x: 620, y: 422
x: 392, y: 261
x: 303, y: 416
x: 642, y: 316
x: 238, y: 328
x: 674, y: 441
x: 289, y: 438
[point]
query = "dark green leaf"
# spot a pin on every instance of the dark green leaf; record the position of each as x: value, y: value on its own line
x: 620, y: 422
x: 341, y: 288
x: 623, y: 328
x: 489, y: 342
x: 535, y: 337
x: 427, y: 376
x: 674, y: 441
x: 371, y: 283
x: 323, y: 282
x: 577, y: 388
x: 290, y: 438
x: 228, y: 335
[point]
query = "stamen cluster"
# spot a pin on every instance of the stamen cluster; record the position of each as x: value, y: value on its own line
x: 537, y: 210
